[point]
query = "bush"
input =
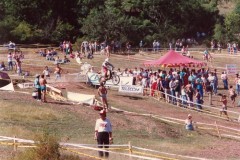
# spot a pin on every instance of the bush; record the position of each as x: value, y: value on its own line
x: 47, y: 149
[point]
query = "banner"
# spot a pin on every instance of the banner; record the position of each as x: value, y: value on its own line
x: 231, y: 68
x: 130, y: 89
x: 126, y: 80
x: 25, y: 85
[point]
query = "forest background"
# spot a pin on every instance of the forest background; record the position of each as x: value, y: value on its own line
x: 52, y: 21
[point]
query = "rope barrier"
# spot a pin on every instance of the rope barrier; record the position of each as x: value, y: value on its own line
x: 152, y: 155
x: 139, y: 148
x: 80, y: 153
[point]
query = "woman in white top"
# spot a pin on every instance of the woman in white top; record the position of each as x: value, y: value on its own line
x: 103, y: 132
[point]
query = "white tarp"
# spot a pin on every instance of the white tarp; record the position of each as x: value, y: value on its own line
x: 81, y: 98
x: 130, y: 89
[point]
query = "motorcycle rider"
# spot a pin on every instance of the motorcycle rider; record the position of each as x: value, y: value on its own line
x: 107, y: 66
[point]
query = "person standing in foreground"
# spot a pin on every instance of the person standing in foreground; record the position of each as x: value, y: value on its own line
x: 103, y: 132
x: 102, y: 92
x: 43, y: 87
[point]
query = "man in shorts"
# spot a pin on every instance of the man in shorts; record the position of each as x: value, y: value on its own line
x: 224, y: 106
x: 43, y: 87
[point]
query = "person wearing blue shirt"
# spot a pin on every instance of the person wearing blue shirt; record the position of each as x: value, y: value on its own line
x: 37, y: 86
x: 199, y: 85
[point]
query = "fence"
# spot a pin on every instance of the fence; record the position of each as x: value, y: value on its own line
x: 127, y: 150
x: 158, y: 95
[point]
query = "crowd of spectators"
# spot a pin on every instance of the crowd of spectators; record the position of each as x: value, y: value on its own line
x: 185, y: 87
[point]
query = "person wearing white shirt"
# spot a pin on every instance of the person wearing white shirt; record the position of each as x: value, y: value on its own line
x: 212, y: 80
x: 225, y: 80
x: 10, y: 61
x: 125, y: 72
x: 103, y: 132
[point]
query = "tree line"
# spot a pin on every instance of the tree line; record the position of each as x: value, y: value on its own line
x: 52, y: 21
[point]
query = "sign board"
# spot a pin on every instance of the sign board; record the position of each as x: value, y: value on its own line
x: 130, y: 89
x: 25, y: 85
x: 231, y: 68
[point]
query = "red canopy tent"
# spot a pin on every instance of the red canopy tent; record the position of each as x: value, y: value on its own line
x: 174, y: 59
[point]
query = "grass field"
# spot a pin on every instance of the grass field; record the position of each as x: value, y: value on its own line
x: 23, y: 117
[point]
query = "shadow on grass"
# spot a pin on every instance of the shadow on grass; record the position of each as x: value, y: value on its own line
x: 131, y: 97
x: 59, y: 103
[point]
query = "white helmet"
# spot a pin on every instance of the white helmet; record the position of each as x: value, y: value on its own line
x: 107, y: 59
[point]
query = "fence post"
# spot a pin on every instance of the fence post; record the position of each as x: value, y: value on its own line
x: 15, y: 144
x: 130, y: 147
x: 219, y: 135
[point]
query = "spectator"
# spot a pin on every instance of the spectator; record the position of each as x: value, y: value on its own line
x: 237, y: 81
x: 37, y: 86
x: 209, y: 90
x: 58, y: 72
x: 198, y: 99
x: 225, y: 80
x: 190, y: 92
x: 43, y: 87
x: 65, y: 59
x: 46, y: 72
x: 189, y: 123
x: 212, y: 80
x: 166, y: 89
x: 183, y: 97
x: 224, y: 106
x: 18, y: 66
x: 10, y: 61
x: 2, y: 66
x: 232, y: 95
x: 172, y: 86
x: 199, y: 85
x: 103, y: 132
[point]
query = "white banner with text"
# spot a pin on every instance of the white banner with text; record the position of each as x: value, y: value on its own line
x: 130, y: 89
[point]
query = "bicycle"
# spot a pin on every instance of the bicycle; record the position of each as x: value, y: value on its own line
x: 99, y: 78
